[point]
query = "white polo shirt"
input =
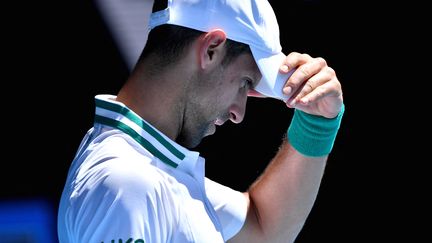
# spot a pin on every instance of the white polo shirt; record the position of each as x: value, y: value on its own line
x: 130, y: 183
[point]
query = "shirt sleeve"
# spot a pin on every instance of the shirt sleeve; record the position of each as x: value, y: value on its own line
x: 230, y: 206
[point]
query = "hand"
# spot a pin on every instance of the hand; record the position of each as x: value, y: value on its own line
x: 313, y: 87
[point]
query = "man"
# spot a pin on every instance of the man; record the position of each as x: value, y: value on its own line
x: 135, y: 180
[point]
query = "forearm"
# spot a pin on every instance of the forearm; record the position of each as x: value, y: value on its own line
x: 282, y: 198
x: 285, y: 193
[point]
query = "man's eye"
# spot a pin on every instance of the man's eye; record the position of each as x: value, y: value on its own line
x: 247, y: 83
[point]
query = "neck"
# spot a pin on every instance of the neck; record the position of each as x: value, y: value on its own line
x: 159, y: 101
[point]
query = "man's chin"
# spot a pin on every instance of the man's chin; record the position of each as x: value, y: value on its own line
x: 192, y: 143
x: 211, y: 131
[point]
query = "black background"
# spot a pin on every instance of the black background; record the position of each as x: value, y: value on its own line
x: 59, y: 55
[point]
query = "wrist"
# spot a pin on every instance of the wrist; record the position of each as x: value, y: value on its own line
x: 313, y: 135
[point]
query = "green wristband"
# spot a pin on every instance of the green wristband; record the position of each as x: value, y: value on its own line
x: 313, y: 135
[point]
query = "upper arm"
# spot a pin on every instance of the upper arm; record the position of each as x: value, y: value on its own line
x: 251, y: 228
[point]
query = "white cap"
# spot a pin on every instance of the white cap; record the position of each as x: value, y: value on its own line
x: 252, y: 22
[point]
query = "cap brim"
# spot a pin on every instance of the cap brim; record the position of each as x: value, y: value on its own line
x: 272, y: 81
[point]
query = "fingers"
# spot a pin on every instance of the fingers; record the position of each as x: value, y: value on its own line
x: 313, y: 87
x: 326, y: 100
x: 326, y: 89
x: 310, y: 73
x: 307, y: 67
x: 311, y: 83
x: 293, y: 60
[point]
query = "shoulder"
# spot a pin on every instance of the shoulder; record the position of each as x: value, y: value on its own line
x: 116, y: 191
x: 116, y: 165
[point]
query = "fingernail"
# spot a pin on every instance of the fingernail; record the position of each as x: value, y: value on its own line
x: 292, y: 103
x: 284, y: 68
x: 287, y: 90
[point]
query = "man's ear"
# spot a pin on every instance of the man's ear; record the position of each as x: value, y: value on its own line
x: 211, y: 50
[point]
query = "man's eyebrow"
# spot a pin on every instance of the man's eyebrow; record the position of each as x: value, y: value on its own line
x: 256, y: 79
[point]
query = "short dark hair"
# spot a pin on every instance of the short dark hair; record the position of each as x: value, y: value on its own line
x: 166, y: 44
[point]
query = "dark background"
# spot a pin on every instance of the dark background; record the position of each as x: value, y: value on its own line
x: 59, y: 55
